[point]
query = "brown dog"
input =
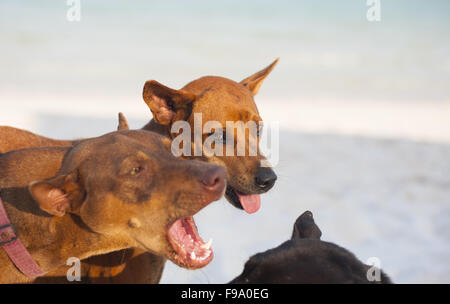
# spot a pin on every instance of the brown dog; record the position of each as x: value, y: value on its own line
x: 216, y: 98
x: 120, y: 190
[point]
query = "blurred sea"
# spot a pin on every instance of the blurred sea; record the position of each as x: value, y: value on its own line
x: 328, y: 49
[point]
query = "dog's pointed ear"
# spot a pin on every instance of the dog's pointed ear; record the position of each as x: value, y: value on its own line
x: 306, y: 228
x: 123, y: 123
x: 167, y: 105
x: 254, y: 82
x: 58, y: 195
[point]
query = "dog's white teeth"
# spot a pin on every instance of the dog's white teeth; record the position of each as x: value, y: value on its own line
x: 193, y: 256
x: 208, y: 244
x: 202, y: 258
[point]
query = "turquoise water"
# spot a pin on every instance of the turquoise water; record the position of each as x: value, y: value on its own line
x: 328, y: 49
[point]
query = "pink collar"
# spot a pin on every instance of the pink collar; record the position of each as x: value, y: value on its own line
x: 15, y: 249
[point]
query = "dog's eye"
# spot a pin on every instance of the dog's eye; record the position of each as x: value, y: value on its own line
x: 135, y: 170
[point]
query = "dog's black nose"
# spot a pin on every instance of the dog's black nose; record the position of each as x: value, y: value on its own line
x: 265, y: 178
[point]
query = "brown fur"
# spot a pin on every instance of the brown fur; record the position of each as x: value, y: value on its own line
x: 15, y: 139
x: 217, y: 98
x: 87, y: 208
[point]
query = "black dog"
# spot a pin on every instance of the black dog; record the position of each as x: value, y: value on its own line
x: 306, y: 259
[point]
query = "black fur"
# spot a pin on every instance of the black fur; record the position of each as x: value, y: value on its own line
x: 305, y: 259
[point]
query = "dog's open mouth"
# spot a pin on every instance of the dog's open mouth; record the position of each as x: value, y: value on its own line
x: 249, y: 202
x: 190, y: 249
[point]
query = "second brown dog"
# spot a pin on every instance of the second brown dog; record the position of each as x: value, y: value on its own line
x: 120, y: 190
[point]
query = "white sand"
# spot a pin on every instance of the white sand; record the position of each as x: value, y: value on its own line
x: 418, y: 121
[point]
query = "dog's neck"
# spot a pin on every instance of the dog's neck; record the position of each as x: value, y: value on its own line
x: 50, y: 240
x: 153, y: 126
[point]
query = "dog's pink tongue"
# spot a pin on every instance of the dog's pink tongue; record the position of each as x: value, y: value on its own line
x: 250, y: 202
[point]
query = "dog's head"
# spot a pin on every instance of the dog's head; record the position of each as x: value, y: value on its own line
x: 222, y: 101
x: 305, y: 259
x: 128, y: 186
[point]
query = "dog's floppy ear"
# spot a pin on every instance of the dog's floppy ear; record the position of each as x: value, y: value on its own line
x: 167, y: 105
x: 123, y: 123
x: 306, y: 228
x: 58, y: 195
x: 254, y: 82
